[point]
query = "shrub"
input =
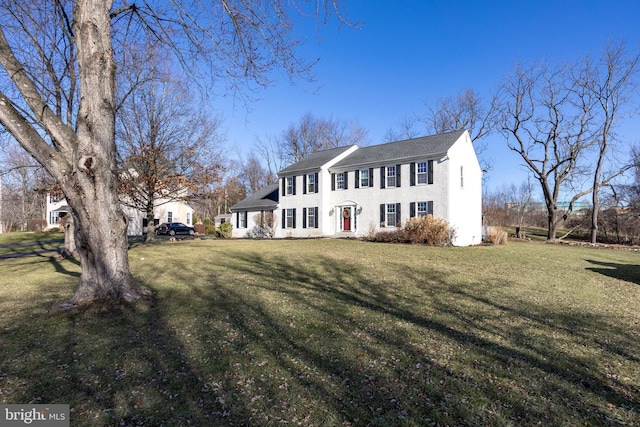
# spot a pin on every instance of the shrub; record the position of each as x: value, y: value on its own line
x: 427, y: 230
x: 265, y: 225
x: 496, y: 236
x: 36, y: 224
x: 225, y: 230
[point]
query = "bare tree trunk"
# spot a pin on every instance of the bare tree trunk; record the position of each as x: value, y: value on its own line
x: 151, y: 226
x: 91, y: 187
x: 70, y: 250
x: 103, y: 251
x: 594, y: 214
x: 551, y: 225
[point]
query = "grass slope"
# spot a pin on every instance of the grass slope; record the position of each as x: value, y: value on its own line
x: 333, y: 332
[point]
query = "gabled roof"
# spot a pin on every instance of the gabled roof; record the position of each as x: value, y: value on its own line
x: 264, y: 199
x: 426, y: 146
x: 314, y: 161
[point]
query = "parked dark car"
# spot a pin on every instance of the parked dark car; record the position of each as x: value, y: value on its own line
x: 173, y: 228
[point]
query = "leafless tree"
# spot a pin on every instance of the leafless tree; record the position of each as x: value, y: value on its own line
x: 467, y: 111
x: 495, y: 207
x: 254, y: 176
x: 521, y: 200
x: 313, y: 133
x: 406, y: 128
x: 610, y: 81
x: 24, y: 186
x: 548, y: 120
x: 273, y: 158
x: 265, y: 225
x: 167, y: 150
x: 57, y: 94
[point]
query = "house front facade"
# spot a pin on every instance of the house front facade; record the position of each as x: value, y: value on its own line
x: 353, y: 192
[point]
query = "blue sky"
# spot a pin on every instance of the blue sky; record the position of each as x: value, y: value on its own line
x: 409, y: 52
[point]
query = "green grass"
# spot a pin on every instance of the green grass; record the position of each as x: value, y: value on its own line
x: 333, y: 332
x: 14, y: 243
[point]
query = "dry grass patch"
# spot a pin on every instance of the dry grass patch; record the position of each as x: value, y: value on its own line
x: 334, y: 332
x: 496, y: 236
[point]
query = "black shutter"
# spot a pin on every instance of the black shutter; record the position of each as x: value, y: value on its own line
x: 284, y: 219
x: 317, y: 183
x: 430, y: 172
x: 284, y: 186
x: 237, y: 219
x: 370, y: 177
x: 357, y: 183
x: 315, y: 215
x: 382, y: 177
x: 430, y: 208
x: 398, y: 215
x: 346, y: 185
x: 333, y: 182
x: 412, y: 209
x: 382, y: 213
x: 304, y: 184
x: 398, y: 180
x: 412, y: 172
x: 304, y: 217
x: 294, y: 218
x: 294, y: 184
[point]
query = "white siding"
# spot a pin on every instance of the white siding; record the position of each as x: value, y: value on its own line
x: 465, y: 208
x: 460, y: 206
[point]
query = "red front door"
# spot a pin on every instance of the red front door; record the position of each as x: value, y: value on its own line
x: 346, y: 219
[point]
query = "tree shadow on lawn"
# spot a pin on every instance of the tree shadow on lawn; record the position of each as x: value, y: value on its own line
x: 626, y: 272
x: 313, y: 342
x: 115, y: 364
x: 394, y: 371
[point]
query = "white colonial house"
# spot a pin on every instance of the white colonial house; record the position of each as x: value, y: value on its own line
x: 165, y: 211
x: 352, y: 191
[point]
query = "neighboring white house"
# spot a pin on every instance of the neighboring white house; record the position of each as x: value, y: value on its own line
x: 173, y: 211
x: 351, y: 191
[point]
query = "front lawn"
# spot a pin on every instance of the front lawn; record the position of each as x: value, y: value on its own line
x: 333, y: 332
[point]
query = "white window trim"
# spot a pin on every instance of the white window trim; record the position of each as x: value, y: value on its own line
x: 362, y: 180
x: 395, y: 215
x: 290, y: 185
x: 424, y: 175
x: 311, y: 183
x: 289, y: 219
x: 388, y: 176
